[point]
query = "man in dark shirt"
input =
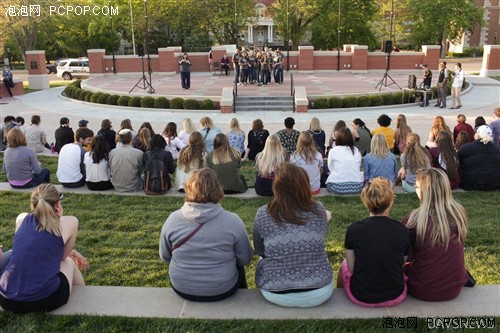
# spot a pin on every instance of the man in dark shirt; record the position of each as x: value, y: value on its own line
x: 442, y: 85
x: 426, y: 83
x: 64, y: 134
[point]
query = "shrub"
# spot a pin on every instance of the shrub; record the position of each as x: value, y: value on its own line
x: 376, y: 100
x: 76, y: 84
x: 191, y: 104
x: 388, y: 99
x: 407, y: 97
x: 123, y: 100
x: 349, y: 102
x: 76, y: 93
x: 398, y: 97
x: 69, y: 91
x: 207, y: 104
x: 147, y: 102
x: 95, y: 96
x: 88, y: 96
x: 103, y: 98
x: 162, y: 103
x: 335, y: 102
x: 321, y: 103
x: 82, y: 95
x: 363, y: 101
x: 112, y: 100
x: 135, y: 102
x: 177, y: 103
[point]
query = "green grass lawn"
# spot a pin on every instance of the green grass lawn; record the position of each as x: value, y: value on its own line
x: 119, y: 236
x: 52, y: 84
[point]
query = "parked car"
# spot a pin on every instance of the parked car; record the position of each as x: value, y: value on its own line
x: 70, y: 68
x: 52, y: 68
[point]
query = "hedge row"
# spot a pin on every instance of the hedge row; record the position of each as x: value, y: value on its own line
x: 74, y: 91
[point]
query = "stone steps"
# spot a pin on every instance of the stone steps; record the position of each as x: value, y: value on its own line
x: 263, y: 103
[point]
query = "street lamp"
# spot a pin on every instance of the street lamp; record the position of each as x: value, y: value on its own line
x: 111, y: 39
x: 8, y: 57
x: 338, y: 42
x: 235, y: 24
x: 132, y: 26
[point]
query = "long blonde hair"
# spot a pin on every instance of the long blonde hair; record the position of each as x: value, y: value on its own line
x: 272, y: 156
x: 315, y: 125
x: 416, y: 156
x: 192, y: 153
x: 188, y: 125
x: 379, y: 147
x: 223, y: 152
x: 234, y: 126
x: 43, y: 200
x: 436, y: 201
x: 306, y: 148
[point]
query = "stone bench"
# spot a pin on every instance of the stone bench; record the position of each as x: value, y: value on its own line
x: 17, y: 90
x: 249, y: 194
x: 480, y: 301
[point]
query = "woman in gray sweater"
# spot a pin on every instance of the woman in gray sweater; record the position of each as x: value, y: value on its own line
x: 289, y: 236
x: 20, y: 163
x: 206, y: 246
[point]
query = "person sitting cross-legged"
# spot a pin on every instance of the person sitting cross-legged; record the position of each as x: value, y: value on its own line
x: 70, y: 165
x: 375, y: 251
x: 126, y: 166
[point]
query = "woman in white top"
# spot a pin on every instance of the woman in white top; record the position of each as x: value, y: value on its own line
x: 174, y: 144
x: 344, y: 161
x: 309, y: 158
x: 96, y: 165
x: 189, y: 127
x: 456, y: 87
x: 236, y: 136
x: 192, y: 157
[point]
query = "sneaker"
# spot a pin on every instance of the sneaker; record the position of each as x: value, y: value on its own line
x: 452, y: 108
x: 442, y: 107
x: 458, y: 107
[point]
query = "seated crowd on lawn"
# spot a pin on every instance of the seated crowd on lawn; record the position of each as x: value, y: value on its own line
x: 207, y: 247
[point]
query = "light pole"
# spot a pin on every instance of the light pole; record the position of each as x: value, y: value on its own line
x: 8, y: 57
x: 235, y: 24
x: 132, y: 26
x: 338, y: 42
x: 288, y: 36
x: 111, y: 39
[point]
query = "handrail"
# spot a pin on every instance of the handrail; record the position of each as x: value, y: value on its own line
x: 292, y: 91
x: 235, y: 94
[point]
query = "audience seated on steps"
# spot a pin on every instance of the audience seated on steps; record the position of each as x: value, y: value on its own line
x: 266, y: 163
x: 206, y: 247
x: 43, y: 264
x: 21, y: 164
x: 192, y: 157
x: 375, y: 251
x: 126, y: 166
x: 380, y: 162
x: 289, y: 237
x: 226, y: 162
x: 70, y: 166
x: 436, y: 268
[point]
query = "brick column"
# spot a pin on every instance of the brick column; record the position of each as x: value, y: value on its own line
x: 37, y: 72
x: 96, y: 62
x: 359, y: 58
x: 169, y: 62
x: 491, y: 61
x: 306, y: 59
x: 431, y: 56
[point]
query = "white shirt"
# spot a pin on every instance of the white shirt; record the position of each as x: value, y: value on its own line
x: 344, y: 166
x: 174, y: 146
x: 184, y: 136
x: 96, y: 172
x: 69, y: 163
x: 458, y: 81
x: 312, y: 169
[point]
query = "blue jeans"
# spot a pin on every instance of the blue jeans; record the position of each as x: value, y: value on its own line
x: 186, y: 80
x: 42, y: 177
x: 305, y: 299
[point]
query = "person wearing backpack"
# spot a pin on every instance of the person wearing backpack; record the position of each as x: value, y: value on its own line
x: 158, y: 164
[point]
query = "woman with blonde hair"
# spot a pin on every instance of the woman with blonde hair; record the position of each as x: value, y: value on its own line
x: 236, y: 136
x: 438, y: 125
x: 445, y: 157
x: 143, y: 140
x: 206, y: 246
x: 43, y: 265
x: 371, y: 274
x: 192, y: 157
x: 267, y: 162
x: 208, y: 131
x: 415, y: 157
x: 21, y: 164
x: 380, y: 162
x: 174, y: 144
x: 309, y: 158
x: 226, y: 162
x: 188, y: 128
x: 289, y: 236
x: 402, y: 130
x: 438, y: 230
x: 318, y: 135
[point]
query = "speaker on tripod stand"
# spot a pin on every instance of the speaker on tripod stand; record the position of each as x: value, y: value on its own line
x: 388, y: 46
x: 140, y: 50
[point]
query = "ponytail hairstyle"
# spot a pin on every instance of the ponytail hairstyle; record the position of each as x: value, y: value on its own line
x: 43, y: 201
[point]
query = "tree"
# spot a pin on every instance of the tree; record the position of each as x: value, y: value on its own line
x: 436, y: 21
x: 401, y: 20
